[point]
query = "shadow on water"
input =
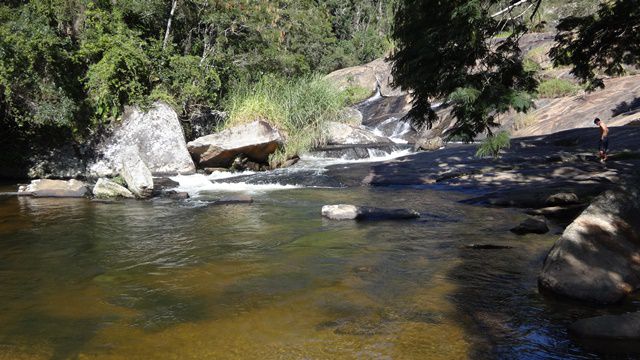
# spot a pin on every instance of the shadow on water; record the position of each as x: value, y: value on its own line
x: 497, y: 296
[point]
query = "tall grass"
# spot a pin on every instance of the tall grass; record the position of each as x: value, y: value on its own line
x: 300, y: 108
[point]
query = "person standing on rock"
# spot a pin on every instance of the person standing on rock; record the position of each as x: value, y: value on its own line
x: 603, y: 146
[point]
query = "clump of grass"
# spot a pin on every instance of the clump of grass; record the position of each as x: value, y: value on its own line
x: 555, y: 88
x: 493, y: 144
x: 300, y: 108
x: 523, y: 121
x: 355, y: 94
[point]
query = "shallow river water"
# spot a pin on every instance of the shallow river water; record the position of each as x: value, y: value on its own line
x: 163, y: 279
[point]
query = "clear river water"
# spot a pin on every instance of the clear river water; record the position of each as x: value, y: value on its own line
x: 165, y: 279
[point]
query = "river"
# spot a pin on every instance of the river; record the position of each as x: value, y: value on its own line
x: 164, y: 279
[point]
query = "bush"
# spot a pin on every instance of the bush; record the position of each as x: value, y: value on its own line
x: 523, y: 121
x: 555, y: 88
x: 300, y: 108
x: 493, y: 144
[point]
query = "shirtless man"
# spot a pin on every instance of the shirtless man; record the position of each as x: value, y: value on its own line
x: 604, y: 139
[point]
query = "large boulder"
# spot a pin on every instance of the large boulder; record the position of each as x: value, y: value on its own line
x: 156, y: 133
x: 136, y: 174
x: 371, y: 76
x: 54, y: 188
x: 597, y: 259
x: 256, y: 141
x: 105, y: 189
x: 353, y: 212
x: 609, y: 327
x: 344, y: 134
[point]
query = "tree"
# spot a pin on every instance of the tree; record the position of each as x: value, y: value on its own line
x: 447, y: 50
x: 603, y: 41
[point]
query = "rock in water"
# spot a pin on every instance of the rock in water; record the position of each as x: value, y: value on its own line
x: 343, y: 134
x: 429, y: 144
x: 256, y: 141
x: 158, y: 136
x: 54, y: 188
x: 105, y: 189
x: 531, y: 226
x: 136, y: 174
x: 352, y: 212
x: 610, y: 327
x: 597, y: 259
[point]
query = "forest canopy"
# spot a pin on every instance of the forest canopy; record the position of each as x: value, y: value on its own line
x: 76, y: 63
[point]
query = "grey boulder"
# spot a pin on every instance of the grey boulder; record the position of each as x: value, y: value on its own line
x: 105, y: 189
x: 158, y: 136
x: 353, y: 212
x: 597, y: 259
x: 344, y: 134
x: 54, y: 188
x: 256, y: 140
x: 136, y: 174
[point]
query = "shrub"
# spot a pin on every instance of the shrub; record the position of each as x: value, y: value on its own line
x: 523, y: 121
x: 493, y: 144
x: 300, y: 108
x: 555, y: 88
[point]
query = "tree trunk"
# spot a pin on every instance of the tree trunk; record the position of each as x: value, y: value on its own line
x: 174, y: 5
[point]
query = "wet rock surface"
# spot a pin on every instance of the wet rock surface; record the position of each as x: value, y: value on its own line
x: 611, y: 327
x: 531, y: 226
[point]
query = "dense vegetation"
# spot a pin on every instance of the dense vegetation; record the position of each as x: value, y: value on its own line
x: 76, y: 63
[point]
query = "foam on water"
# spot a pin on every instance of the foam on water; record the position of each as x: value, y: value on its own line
x: 194, y: 184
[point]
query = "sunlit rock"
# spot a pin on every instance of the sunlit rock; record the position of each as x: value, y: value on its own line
x: 256, y: 140
x: 54, y: 188
x: 136, y: 174
x: 353, y: 212
x: 156, y: 133
x: 104, y: 189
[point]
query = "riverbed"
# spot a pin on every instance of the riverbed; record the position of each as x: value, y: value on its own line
x: 166, y: 279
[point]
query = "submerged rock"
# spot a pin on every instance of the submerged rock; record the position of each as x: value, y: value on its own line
x: 531, y: 226
x: 353, y: 212
x: 108, y: 189
x: 136, y: 174
x: 54, y: 188
x: 611, y: 327
x: 256, y: 141
x: 597, y: 259
x: 487, y: 247
x: 156, y: 133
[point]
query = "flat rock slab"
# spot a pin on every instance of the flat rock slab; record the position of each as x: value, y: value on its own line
x: 611, y: 327
x: 353, y: 212
x: 54, y: 188
x: 531, y: 226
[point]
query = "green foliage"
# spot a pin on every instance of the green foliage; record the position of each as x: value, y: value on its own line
x: 493, y: 144
x: 555, y: 88
x: 355, y: 94
x: 300, y: 108
x: 447, y: 50
x: 605, y: 41
x: 77, y: 63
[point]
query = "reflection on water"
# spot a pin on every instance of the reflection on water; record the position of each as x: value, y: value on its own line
x: 162, y: 279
